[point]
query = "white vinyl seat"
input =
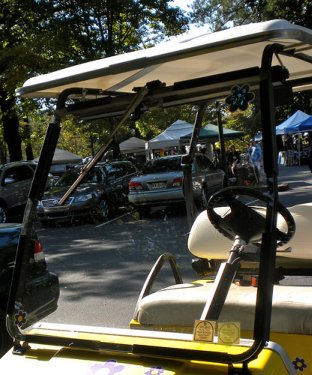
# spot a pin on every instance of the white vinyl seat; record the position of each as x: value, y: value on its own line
x: 180, y: 305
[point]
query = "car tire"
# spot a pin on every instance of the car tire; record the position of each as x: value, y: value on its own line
x: 3, y: 214
x: 103, y: 210
x: 6, y: 341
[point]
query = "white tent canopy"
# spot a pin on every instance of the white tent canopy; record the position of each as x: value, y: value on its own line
x: 171, y: 136
x: 132, y: 145
x: 63, y: 156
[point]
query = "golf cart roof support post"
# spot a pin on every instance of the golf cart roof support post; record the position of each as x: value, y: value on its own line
x: 36, y: 190
x: 136, y: 101
x: 268, y: 243
x: 187, y: 161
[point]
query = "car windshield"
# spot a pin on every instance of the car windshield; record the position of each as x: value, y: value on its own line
x: 70, y: 176
x: 171, y: 164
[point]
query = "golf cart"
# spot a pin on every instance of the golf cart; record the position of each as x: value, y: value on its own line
x: 224, y: 322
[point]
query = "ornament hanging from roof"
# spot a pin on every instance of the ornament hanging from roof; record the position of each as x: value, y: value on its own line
x: 239, y: 98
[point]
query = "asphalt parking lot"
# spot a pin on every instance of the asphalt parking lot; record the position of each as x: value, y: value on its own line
x: 299, y: 185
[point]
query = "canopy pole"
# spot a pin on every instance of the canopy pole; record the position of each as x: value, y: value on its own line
x: 187, y: 161
x: 222, y: 145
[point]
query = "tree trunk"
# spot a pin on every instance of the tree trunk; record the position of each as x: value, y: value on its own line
x: 10, y: 126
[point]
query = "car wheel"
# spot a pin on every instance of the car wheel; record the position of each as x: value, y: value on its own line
x: 6, y: 341
x: 3, y: 215
x: 103, y: 210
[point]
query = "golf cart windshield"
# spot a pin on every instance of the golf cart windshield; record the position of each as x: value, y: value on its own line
x: 115, y: 274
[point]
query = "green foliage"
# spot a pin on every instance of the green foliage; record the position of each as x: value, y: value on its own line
x: 39, y: 36
x: 221, y: 14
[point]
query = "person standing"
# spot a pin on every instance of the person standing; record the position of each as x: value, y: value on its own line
x: 255, y: 155
x: 289, y: 149
x: 233, y: 157
x: 297, y: 149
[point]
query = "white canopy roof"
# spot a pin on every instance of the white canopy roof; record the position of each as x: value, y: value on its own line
x: 63, y: 156
x: 203, y: 54
x: 171, y: 136
x: 132, y: 145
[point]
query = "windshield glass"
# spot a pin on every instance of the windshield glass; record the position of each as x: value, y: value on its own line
x: 163, y: 165
x: 70, y: 176
x: 103, y: 244
x: 192, y: 253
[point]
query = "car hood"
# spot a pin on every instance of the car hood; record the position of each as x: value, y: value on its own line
x: 59, y: 191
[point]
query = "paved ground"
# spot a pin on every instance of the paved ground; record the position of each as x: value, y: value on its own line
x: 299, y: 181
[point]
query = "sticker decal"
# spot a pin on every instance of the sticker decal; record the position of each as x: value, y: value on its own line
x: 155, y: 371
x: 204, y: 330
x: 228, y: 333
x: 20, y: 318
x: 112, y: 366
x: 299, y: 364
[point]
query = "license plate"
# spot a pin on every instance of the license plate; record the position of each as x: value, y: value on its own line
x: 158, y: 185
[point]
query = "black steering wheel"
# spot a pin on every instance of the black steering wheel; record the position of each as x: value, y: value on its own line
x: 243, y: 214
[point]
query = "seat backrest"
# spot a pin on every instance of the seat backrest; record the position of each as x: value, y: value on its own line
x: 301, y: 243
x: 206, y: 242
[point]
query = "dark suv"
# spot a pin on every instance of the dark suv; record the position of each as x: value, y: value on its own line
x: 15, y: 182
x: 103, y: 189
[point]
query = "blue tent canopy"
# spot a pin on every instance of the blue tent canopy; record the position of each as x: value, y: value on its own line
x: 305, y: 126
x: 291, y: 124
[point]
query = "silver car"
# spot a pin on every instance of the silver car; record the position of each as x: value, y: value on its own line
x: 161, y: 182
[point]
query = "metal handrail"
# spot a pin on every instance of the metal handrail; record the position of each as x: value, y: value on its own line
x: 154, y: 272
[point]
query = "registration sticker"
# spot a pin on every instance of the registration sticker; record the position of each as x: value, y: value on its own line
x: 204, y: 330
x: 228, y: 333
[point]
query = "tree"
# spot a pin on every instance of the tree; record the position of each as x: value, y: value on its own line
x: 221, y: 14
x: 12, y: 21
x: 39, y: 36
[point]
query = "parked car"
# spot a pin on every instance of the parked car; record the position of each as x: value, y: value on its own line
x: 161, y: 182
x: 15, y: 182
x: 40, y: 283
x: 103, y: 189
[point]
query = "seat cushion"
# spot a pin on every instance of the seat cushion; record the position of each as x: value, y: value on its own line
x: 180, y: 305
